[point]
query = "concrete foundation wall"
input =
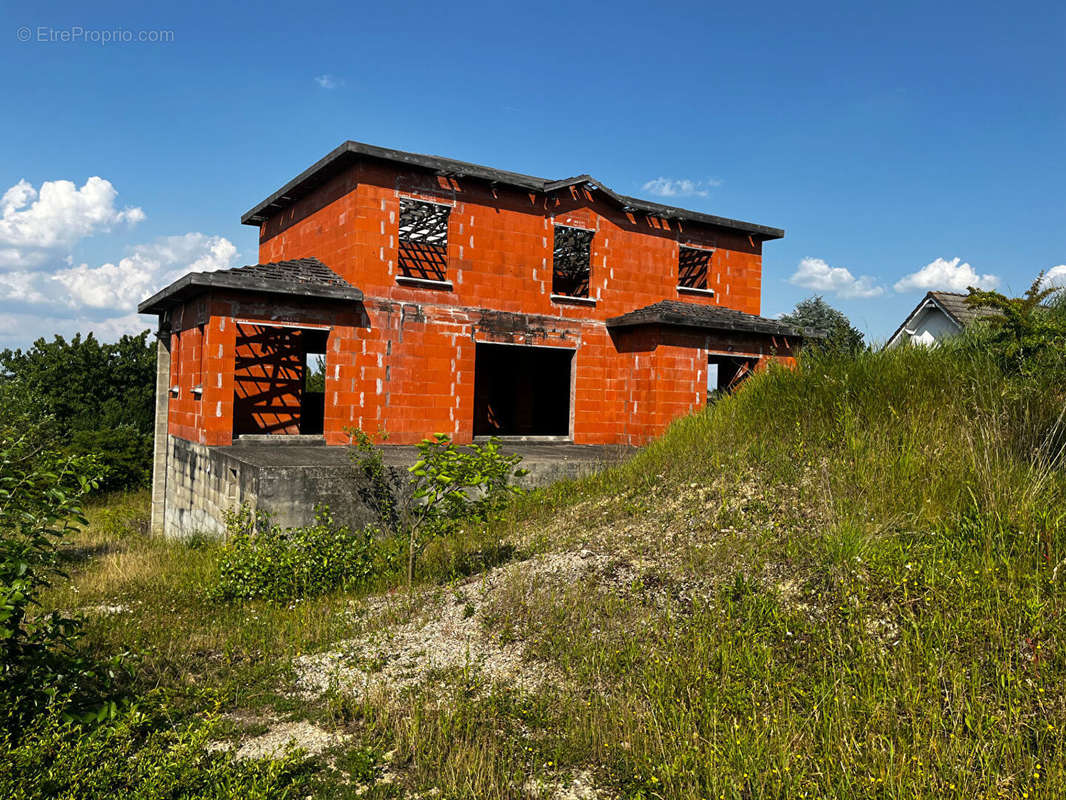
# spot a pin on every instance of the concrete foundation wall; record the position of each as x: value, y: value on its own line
x: 201, y: 487
x: 289, y: 481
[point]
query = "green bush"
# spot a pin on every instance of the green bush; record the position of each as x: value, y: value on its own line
x: 262, y: 560
x: 137, y: 756
x: 40, y: 494
x: 449, y: 488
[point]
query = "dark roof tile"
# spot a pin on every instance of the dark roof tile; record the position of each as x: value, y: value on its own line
x: 675, y: 313
x: 955, y: 305
x: 298, y: 277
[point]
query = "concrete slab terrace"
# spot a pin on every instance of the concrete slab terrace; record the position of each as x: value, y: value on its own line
x: 289, y: 477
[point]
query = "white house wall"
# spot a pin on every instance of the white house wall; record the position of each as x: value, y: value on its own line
x: 927, y: 327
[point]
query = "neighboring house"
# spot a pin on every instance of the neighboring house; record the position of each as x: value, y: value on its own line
x: 940, y: 315
x: 451, y: 297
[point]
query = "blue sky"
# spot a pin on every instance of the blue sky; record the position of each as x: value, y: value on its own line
x: 901, y: 146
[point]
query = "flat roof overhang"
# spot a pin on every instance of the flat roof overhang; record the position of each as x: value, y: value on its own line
x: 196, y: 283
x: 675, y: 314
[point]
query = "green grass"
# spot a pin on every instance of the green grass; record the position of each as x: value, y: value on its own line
x: 845, y: 581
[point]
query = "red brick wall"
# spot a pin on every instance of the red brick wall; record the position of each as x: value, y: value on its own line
x: 500, y: 247
x: 403, y: 362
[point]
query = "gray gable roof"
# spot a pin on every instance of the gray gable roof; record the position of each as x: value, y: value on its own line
x: 956, y: 307
x: 298, y: 277
x: 351, y: 152
x: 675, y: 313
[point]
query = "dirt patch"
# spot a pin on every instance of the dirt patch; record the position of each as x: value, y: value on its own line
x: 579, y: 787
x: 280, y: 738
x: 450, y: 634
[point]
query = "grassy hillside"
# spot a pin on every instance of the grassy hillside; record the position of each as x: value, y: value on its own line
x: 844, y: 581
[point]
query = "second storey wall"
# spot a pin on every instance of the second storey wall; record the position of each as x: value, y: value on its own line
x: 500, y: 243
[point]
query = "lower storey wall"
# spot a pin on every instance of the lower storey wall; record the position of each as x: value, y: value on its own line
x: 405, y: 371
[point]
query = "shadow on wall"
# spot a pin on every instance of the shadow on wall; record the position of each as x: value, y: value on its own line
x: 269, y: 376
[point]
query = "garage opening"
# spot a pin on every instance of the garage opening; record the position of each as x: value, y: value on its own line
x: 725, y: 373
x: 275, y: 388
x: 522, y: 391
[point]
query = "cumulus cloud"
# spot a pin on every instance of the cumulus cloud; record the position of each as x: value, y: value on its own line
x: 951, y: 276
x: 816, y: 274
x: 683, y: 187
x: 118, y: 287
x: 1055, y: 277
x: 328, y: 81
x: 36, y: 225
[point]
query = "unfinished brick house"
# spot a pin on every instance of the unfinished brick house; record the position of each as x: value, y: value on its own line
x: 443, y: 296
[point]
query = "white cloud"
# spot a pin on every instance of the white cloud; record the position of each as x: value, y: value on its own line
x: 1055, y: 276
x: 814, y: 273
x: 944, y: 275
x: 19, y: 329
x: 669, y: 187
x: 37, y: 226
x: 328, y: 81
x: 112, y: 290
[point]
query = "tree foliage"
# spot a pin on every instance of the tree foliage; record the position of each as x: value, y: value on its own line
x: 100, y: 397
x: 1025, y: 330
x: 815, y: 312
x: 40, y: 492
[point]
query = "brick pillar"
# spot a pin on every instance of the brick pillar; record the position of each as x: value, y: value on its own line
x: 160, y: 444
x: 220, y: 342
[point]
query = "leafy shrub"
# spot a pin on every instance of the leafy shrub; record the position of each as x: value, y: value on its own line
x: 449, y: 486
x: 138, y: 756
x: 263, y: 560
x: 40, y: 494
x: 1025, y: 332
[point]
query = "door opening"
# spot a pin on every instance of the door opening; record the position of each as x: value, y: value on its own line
x: 313, y: 401
x: 522, y: 390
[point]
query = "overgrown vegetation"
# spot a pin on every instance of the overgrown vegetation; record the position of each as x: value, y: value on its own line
x: 262, y: 560
x: 448, y: 488
x: 40, y: 494
x: 1028, y: 332
x: 139, y: 755
x: 843, y: 581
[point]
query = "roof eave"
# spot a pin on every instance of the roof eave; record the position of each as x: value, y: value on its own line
x: 199, y: 282
x: 675, y: 321
x: 446, y: 166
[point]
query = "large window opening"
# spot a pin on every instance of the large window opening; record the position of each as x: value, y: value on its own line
x: 277, y: 389
x: 423, y: 240
x: 725, y: 373
x: 522, y: 391
x: 571, y: 261
x: 693, y: 267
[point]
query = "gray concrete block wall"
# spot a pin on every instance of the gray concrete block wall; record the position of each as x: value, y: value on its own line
x: 202, y: 486
x: 289, y: 482
x: 159, y: 443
